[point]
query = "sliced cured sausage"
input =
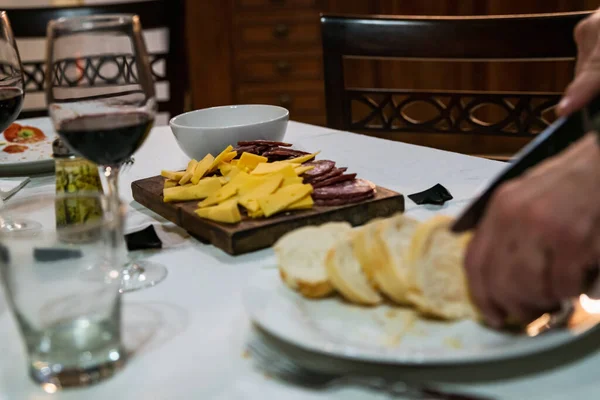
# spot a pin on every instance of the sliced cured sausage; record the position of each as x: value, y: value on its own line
x: 246, y: 149
x: 334, y: 180
x: 283, y: 152
x: 321, y: 167
x: 346, y: 189
x: 330, y: 174
x: 344, y: 201
x: 261, y: 149
x: 269, y: 143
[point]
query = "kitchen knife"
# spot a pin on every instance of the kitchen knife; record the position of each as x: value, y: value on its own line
x: 548, y: 143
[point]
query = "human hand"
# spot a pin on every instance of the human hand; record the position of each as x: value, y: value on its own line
x: 586, y: 84
x: 538, y: 237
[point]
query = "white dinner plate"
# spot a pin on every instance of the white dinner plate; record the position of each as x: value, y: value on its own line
x: 387, y: 334
x: 37, y: 158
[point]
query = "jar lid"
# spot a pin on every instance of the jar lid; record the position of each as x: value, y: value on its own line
x: 60, y: 149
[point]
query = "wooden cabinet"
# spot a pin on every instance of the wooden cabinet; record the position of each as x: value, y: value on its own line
x: 269, y: 51
x: 281, y: 68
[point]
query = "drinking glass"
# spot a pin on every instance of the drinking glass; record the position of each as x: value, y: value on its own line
x: 101, y: 99
x: 11, y: 75
x: 70, y: 324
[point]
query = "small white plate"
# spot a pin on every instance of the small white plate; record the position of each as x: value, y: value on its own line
x: 37, y: 158
x: 386, y: 334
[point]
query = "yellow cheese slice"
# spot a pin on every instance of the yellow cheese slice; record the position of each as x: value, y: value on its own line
x: 287, y: 172
x: 234, y: 171
x: 282, y: 198
x: 301, y: 159
x: 202, y: 190
x: 251, y: 205
x: 268, y: 186
x: 291, y: 181
x: 251, y: 160
x: 300, y: 170
x: 251, y: 183
x: 256, y: 214
x: 240, y: 179
x: 170, y: 183
x: 223, y: 155
x: 224, y: 180
x: 228, y: 157
x: 224, y: 193
x: 202, y: 168
x: 172, y: 175
x: 269, y: 168
x: 303, y: 204
x: 234, y: 162
x: 225, y: 168
x: 189, y: 172
x: 227, y: 191
x: 226, y: 212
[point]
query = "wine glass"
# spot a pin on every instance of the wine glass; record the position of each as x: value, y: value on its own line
x: 11, y: 79
x: 101, y: 99
x: 11, y: 102
x: 11, y: 75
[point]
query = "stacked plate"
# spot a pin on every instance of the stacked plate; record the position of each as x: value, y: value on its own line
x: 32, y: 156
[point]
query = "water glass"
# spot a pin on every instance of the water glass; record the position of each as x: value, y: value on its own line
x: 60, y: 272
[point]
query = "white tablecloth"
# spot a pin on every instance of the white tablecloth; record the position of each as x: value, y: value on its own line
x: 189, y: 332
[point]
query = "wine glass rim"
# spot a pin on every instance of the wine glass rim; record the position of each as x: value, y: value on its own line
x: 86, y: 22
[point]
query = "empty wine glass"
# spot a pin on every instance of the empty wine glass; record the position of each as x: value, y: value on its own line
x: 101, y: 99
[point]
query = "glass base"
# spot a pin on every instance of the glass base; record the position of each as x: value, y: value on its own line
x: 141, y: 274
x: 53, y: 378
x: 21, y: 225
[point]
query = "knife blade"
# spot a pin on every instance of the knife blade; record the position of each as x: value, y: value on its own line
x: 548, y: 143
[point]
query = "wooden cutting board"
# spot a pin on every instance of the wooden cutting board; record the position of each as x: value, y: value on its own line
x: 254, y: 234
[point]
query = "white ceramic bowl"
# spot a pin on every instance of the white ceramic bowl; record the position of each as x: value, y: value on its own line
x: 211, y: 130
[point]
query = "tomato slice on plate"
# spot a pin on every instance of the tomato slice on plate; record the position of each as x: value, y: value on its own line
x: 16, y: 133
x: 14, y: 148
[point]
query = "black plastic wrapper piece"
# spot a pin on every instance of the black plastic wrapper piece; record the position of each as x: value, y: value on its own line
x: 52, y: 254
x: 143, y: 240
x: 436, y: 195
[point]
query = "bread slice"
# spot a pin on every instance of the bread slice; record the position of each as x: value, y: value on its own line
x: 301, y: 257
x: 389, y: 266
x: 346, y: 274
x: 363, y: 241
x: 438, y: 284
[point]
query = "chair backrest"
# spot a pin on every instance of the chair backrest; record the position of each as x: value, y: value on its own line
x: 473, y: 39
x: 168, y: 59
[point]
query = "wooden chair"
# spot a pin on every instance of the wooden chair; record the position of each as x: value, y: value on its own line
x: 384, y: 112
x: 168, y: 67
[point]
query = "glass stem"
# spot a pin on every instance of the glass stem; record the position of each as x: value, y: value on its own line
x: 112, y: 188
x: 112, y: 182
x: 131, y: 268
x: 111, y: 173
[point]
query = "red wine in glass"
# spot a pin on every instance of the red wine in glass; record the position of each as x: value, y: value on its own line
x: 11, y: 101
x: 106, y: 139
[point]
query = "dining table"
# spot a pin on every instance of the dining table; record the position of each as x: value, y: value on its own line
x: 187, y: 336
